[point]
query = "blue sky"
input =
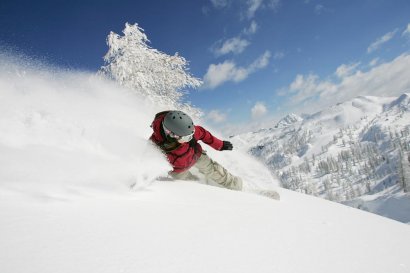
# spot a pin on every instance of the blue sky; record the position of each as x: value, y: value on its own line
x: 259, y: 59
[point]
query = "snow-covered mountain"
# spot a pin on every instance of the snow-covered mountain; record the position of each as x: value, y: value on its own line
x: 288, y: 120
x: 356, y: 152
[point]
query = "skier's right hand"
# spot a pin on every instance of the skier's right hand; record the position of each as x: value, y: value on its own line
x: 227, y: 146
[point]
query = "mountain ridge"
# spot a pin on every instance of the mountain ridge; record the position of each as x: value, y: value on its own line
x: 342, y: 152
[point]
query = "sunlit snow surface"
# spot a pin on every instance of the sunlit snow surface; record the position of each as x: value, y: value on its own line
x: 71, y: 145
x: 189, y: 227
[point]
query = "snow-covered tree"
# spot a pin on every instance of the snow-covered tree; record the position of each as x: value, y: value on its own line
x: 151, y: 73
x: 404, y: 171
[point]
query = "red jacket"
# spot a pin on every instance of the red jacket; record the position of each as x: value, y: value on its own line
x: 182, y: 156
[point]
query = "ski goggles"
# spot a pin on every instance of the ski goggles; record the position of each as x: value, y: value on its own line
x: 177, y: 137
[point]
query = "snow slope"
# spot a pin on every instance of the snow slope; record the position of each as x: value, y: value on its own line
x: 71, y: 145
x: 189, y: 227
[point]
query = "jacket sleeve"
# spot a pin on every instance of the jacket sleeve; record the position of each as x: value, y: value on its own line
x: 207, y: 138
x: 156, y: 129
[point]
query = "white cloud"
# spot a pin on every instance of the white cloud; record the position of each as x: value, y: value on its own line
x: 279, y: 55
x: 387, y: 79
x: 251, y: 6
x: 220, y: 3
x: 319, y: 8
x: 251, y: 29
x: 382, y: 40
x: 218, y: 74
x: 205, y: 10
x: 308, y: 87
x: 255, y: 5
x: 258, y: 110
x: 273, y: 4
x: 406, y: 32
x: 346, y: 70
x: 374, y: 61
x: 216, y: 116
x: 260, y: 62
x: 234, y: 45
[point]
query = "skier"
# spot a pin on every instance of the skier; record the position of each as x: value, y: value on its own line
x: 176, y: 135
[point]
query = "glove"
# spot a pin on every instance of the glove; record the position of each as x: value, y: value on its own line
x: 226, y: 146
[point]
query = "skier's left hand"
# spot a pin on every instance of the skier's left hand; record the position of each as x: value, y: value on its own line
x: 227, y: 146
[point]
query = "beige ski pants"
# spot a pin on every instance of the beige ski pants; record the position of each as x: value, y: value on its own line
x: 212, y: 170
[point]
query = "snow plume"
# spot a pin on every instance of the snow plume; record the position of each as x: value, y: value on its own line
x: 66, y: 132
x: 72, y: 129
